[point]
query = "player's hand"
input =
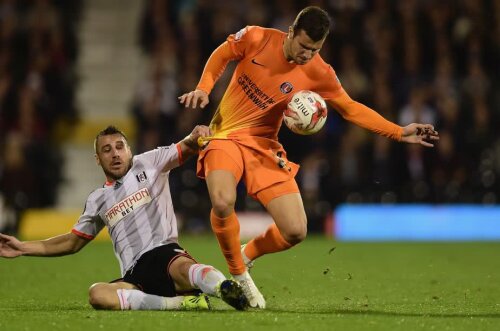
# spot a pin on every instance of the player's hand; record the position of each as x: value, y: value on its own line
x: 192, y: 99
x: 423, y: 134
x: 195, y: 138
x: 9, y: 246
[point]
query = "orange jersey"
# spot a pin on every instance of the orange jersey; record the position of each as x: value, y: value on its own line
x: 263, y: 82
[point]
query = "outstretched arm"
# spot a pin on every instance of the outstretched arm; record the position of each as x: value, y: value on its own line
x: 64, y: 244
x: 353, y: 111
x: 214, y: 68
x: 364, y: 116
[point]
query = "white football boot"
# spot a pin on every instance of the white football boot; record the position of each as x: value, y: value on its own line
x: 248, y: 262
x: 255, y: 298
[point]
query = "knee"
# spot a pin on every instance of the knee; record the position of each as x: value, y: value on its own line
x: 179, y: 273
x: 97, y: 296
x: 295, y: 235
x: 223, y: 203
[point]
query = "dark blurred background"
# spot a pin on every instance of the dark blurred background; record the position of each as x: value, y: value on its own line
x: 412, y: 61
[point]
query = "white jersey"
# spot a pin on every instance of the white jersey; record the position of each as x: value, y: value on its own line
x: 137, y: 209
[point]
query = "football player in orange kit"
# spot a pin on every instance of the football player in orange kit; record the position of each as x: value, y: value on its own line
x: 272, y: 66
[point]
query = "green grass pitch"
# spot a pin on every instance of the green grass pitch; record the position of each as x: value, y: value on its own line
x: 319, y: 285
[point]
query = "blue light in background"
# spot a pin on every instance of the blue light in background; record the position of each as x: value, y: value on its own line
x: 417, y: 223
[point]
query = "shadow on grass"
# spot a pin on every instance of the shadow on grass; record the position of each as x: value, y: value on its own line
x: 323, y: 311
x: 46, y: 308
x: 387, y: 313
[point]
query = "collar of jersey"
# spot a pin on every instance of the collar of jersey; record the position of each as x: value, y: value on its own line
x: 115, y: 183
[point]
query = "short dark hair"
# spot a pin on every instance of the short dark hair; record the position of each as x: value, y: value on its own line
x: 111, y: 129
x: 314, y: 21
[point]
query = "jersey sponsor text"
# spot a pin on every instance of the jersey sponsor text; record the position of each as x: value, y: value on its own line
x: 254, y: 93
x: 121, y: 209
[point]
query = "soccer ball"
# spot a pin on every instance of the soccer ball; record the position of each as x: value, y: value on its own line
x: 306, y: 113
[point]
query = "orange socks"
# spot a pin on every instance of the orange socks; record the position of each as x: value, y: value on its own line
x: 270, y: 241
x: 227, y: 231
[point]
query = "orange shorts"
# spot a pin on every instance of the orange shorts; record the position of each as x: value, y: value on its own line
x: 266, y: 175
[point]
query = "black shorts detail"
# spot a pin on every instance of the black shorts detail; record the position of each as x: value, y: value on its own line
x: 150, y: 273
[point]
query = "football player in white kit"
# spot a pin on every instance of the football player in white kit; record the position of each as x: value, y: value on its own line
x: 136, y: 207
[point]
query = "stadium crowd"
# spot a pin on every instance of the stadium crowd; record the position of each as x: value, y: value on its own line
x: 38, y: 51
x: 414, y: 60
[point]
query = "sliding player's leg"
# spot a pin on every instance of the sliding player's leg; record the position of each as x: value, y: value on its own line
x: 188, y: 275
x: 149, y: 285
x: 126, y: 296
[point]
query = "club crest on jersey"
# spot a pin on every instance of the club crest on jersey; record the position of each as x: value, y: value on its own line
x: 141, y: 177
x: 286, y: 87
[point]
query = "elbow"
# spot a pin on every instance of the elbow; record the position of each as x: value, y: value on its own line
x: 76, y: 246
x: 74, y: 250
x: 76, y: 242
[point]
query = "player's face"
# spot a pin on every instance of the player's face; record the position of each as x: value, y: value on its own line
x: 301, y: 48
x: 113, y: 155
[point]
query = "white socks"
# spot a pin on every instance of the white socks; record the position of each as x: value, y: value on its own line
x: 206, y: 278
x: 201, y: 276
x: 138, y: 300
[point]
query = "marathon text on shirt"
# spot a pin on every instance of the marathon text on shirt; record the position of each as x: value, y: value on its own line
x: 121, y: 209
